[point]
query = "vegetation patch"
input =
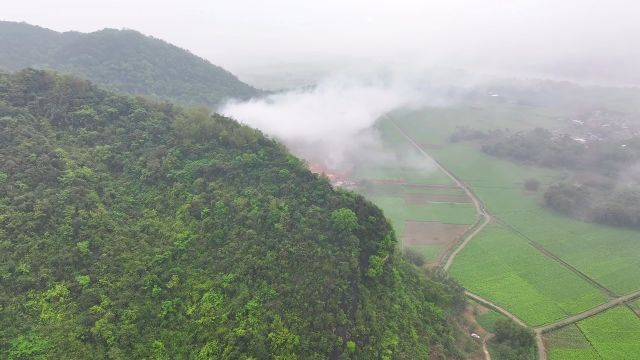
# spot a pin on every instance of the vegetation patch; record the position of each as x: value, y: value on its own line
x: 488, y: 319
x: 512, y: 341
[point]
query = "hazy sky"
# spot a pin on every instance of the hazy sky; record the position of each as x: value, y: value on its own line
x: 573, y: 37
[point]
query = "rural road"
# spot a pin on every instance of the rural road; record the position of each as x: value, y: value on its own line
x: 495, y: 307
x: 583, y: 315
x: 486, y: 219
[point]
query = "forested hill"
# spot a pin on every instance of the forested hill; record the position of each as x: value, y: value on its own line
x: 131, y: 229
x: 121, y: 60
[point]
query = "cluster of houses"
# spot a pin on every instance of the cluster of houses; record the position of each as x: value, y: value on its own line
x: 337, y: 179
x: 603, y: 124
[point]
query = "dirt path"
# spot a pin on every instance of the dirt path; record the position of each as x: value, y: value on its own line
x: 495, y: 307
x: 485, y: 349
x: 591, y: 312
x: 478, y: 227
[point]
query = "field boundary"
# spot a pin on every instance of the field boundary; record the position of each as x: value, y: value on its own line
x: 588, y: 313
x: 536, y: 245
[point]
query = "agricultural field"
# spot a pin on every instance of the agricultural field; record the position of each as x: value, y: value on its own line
x: 614, y: 334
x: 635, y: 306
x: 608, y: 255
x: 428, y: 222
x: 428, y: 210
x: 501, y: 266
x: 568, y: 343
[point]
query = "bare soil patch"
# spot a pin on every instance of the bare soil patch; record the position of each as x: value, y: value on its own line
x: 424, y: 233
x: 418, y: 233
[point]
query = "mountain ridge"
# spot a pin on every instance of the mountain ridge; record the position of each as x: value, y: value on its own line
x: 123, y: 61
x: 132, y: 228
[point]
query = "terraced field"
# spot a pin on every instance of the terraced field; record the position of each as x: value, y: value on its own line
x: 503, y: 267
x: 614, y: 334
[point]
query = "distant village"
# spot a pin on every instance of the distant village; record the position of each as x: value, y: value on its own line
x: 602, y: 124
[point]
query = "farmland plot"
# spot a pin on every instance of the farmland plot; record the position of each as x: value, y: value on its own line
x: 610, y: 256
x: 614, y: 334
x: 569, y: 343
x: 501, y: 266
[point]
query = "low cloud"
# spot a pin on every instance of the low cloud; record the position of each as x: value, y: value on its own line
x: 333, y: 122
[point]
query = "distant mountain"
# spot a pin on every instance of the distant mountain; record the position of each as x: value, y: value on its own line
x: 123, y: 61
x: 134, y: 229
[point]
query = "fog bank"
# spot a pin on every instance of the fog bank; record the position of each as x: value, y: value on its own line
x: 333, y: 122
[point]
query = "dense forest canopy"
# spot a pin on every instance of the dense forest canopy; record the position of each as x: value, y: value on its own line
x: 121, y: 60
x: 136, y: 229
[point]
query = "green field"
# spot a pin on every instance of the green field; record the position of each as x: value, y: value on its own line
x: 411, y: 174
x: 611, y: 256
x: 614, y: 334
x: 569, y: 343
x: 608, y: 255
x: 398, y: 211
x: 503, y: 267
x: 399, y: 189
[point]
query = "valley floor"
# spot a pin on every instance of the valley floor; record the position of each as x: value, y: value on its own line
x: 545, y: 270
